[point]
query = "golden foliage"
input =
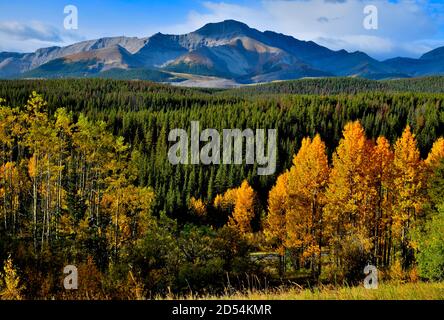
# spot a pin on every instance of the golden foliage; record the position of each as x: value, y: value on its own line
x: 12, y: 284
x: 197, y: 206
x: 244, y: 208
x: 436, y: 153
x: 350, y: 194
x: 407, y: 182
x: 275, y: 227
x: 307, y: 180
x: 241, y: 202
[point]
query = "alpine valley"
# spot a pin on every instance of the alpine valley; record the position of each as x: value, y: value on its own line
x: 225, y: 54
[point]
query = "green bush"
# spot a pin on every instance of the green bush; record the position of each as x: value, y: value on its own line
x: 430, y: 239
x: 430, y: 257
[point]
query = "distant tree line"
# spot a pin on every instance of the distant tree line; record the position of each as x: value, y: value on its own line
x: 328, y: 86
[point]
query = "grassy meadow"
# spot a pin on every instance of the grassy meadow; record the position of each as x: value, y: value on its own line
x: 385, y: 291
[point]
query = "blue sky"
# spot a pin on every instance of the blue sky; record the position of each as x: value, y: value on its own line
x: 405, y: 27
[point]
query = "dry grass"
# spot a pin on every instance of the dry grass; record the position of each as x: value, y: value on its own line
x: 386, y: 291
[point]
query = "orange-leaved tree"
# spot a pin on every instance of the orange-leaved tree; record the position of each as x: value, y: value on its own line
x: 241, y: 202
x: 436, y: 154
x: 307, y: 181
x: 382, y: 162
x: 408, y: 187
x: 244, y: 208
x: 275, y: 226
x: 350, y: 198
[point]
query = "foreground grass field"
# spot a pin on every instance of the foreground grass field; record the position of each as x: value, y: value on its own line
x: 387, y: 291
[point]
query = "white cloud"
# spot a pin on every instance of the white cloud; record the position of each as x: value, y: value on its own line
x: 337, y: 24
x: 371, y: 45
x: 219, y: 11
x: 406, y: 27
x: 27, y: 37
x: 31, y: 31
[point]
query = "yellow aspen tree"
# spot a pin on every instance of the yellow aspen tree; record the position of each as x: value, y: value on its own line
x: 240, y: 202
x: 436, y: 154
x: 63, y: 127
x: 136, y: 205
x: 9, y: 195
x: 42, y: 140
x: 227, y: 200
x: 382, y: 161
x: 12, y: 284
x: 244, y: 208
x: 218, y: 201
x: 275, y: 229
x: 350, y: 196
x: 432, y: 163
x: 407, y: 190
x: 197, y: 206
x: 116, y: 182
x: 144, y: 201
x: 11, y: 133
x: 7, y: 120
x: 307, y: 181
x: 33, y: 171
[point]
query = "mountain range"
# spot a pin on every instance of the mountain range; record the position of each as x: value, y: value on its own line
x: 227, y: 53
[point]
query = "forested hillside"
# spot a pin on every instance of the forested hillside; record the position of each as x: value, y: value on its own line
x: 85, y: 180
x: 325, y: 86
x: 143, y: 113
